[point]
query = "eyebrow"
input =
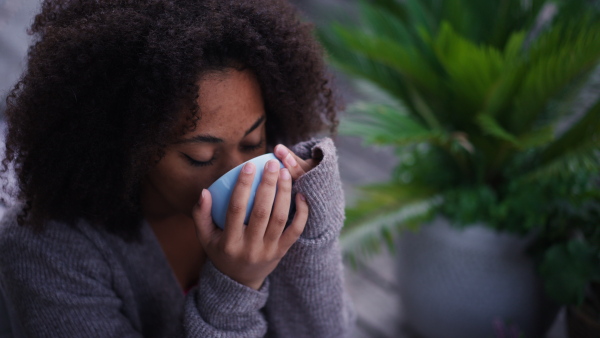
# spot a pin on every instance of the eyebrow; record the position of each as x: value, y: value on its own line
x: 212, y: 139
x: 255, y: 125
x: 202, y: 139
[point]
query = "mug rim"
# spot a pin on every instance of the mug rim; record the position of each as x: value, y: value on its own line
x: 242, y: 164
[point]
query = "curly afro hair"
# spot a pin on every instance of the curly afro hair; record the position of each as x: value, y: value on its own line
x: 108, y: 82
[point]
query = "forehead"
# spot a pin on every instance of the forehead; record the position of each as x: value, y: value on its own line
x: 230, y: 102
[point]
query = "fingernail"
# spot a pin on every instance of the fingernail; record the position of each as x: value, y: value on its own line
x: 285, y: 174
x: 272, y: 166
x: 248, y: 168
x: 302, y: 197
x: 280, y: 150
x: 201, y: 197
x: 290, y: 160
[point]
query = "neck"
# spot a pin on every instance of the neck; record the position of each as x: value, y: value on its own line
x: 154, y: 208
x: 177, y: 238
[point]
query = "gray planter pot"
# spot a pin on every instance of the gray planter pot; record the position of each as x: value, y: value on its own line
x: 457, y: 283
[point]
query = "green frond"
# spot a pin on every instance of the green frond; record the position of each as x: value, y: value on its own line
x: 573, y: 9
x: 365, y: 238
x: 486, y: 22
x: 468, y: 16
x: 558, y: 60
x: 584, y: 134
x: 362, y: 67
x: 499, y: 98
x: 381, y: 125
x: 423, y: 109
x: 586, y: 158
x: 536, y: 138
x: 567, y: 269
x: 394, y: 7
x: 491, y: 127
x: 420, y: 16
x: 513, y: 50
x: 404, y: 59
x: 472, y: 70
x: 379, y: 21
x: 379, y: 199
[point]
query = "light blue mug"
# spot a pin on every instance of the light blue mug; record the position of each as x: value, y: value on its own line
x: 222, y: 188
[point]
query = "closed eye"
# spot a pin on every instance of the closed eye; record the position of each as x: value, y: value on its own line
x: 196, y: 163
x: 252, y: 147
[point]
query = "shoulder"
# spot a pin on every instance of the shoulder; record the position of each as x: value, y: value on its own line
x: 57, y: 246
x: 60, y: 280
x: 54, y: 234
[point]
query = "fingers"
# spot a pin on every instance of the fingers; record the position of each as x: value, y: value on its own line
x: 263, y: 202
x: 292, y: 162
x: 245, y: 260
x: 293, y: 232
x: 281, y: 207
x: 205, y: 229
x: 236, y: 211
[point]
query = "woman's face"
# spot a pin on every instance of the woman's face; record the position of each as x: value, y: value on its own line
x: 231, y: 130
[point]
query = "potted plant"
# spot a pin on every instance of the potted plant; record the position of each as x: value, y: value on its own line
x: 488, y: 106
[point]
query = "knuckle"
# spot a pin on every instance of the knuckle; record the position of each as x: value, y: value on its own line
x: 227, y: 249
x: 261, y: 212
x: 280, y: 218
x: 236, y: 208
x: 245, y: 182
x: 269, y: 180
x: 296, y: 233
x: 297, y: 229
x: 285, y: 187
x: 271, y: 237
x: 251, y: 257
x: 273, y: 255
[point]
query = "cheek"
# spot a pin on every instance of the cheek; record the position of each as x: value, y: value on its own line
x: 178, y: 186
x: 189, y: 187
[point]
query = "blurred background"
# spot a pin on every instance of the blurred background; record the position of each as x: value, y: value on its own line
x: 469, y: 157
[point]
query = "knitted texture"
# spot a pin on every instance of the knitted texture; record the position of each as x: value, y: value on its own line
x: 84, y: 282
x: 313, y: 266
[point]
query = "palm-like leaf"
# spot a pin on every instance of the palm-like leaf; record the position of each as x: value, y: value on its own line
x: 384, y: 125
x: 364, y: 237
x: 584, y: 137
x: 486, y: 85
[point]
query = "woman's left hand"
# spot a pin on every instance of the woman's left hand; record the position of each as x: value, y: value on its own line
x: 295, y: 165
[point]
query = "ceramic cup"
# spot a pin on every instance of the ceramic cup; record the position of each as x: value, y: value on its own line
x: 222, y: 188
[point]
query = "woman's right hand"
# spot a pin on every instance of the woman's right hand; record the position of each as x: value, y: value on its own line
x: 248, y: 254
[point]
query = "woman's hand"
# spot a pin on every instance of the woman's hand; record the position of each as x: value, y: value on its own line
x: 293, y: 163
x: 248, y: 254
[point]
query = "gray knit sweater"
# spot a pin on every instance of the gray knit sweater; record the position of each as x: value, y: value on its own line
x: 84, y: 282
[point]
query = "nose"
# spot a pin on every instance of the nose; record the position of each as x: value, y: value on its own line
x: 229, y: 163
x: 233, y: 160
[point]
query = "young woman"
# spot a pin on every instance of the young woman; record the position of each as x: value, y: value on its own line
x: 126, y: 113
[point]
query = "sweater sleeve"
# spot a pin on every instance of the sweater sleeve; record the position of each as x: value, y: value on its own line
x: 232, y: 309
x: 307, y: 295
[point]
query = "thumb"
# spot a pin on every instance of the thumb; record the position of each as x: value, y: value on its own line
x: 205, y: 229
